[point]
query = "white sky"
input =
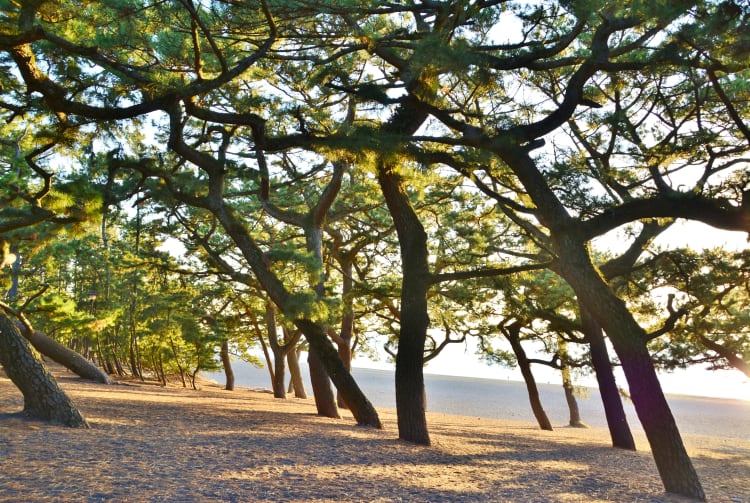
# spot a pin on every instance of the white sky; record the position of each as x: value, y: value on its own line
x: 460, y: 360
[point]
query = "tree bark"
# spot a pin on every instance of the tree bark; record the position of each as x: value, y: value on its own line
x: 292, y: 358
x: 69, y: 359
x: 567, y: 382
x: 629, y: 341
x: 359, y: 405
x: 414, y: 318
x: 512, y: 333
x: 325, y: 400
x: 346, y: 334
x: 628, y: 338
x: 279, y: 353
x: 619, y: 429
x: 321, y: 386
x: 227, y: 364
x: 43, y: 397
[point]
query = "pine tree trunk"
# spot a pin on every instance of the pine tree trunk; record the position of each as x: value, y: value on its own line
x: 619, y: 429
x: 296, y: 382
x: 279, y: 373
x: 279, y: 353
x: 629, y: 341
x: 69, y: 359
x: 512, y: 333
x: 567, y: 382
x: 359, y: 405
x: 43, y: 397
x: 325, y: 401
x: 346, y: 334
x: 227, y: 364
x: 414, y: 317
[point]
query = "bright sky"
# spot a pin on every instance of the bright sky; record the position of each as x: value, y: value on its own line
x: 460, y: 360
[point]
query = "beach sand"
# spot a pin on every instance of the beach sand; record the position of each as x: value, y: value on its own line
x: 149, y: 443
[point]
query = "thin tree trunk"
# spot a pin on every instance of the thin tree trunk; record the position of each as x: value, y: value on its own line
x: 567, y: 382
x: 346, y: 334
x: 512, y: 333
x: 261, y: 339
x: 227, y: 364
x: 117, y: 362
x: 177, y: 362
x: 296, y: 381
x: 43, y: 397
x: 617, y: 421
x: 279, y: 353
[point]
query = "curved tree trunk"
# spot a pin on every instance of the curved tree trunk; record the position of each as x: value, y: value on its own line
x: 43, y: 397
x: 512, y: 333
x: 619, y: 429
x: 360, y: 406
x: 628, y: 338
x: 629, y: 341
x: 414, y: 318
x: 68, y: 358
x: 227, y: 364
x: 567, y: 382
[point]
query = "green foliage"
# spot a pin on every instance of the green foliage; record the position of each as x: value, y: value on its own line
x: 656, y: 118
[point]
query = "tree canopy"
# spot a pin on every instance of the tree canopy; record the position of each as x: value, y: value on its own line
x: 377, y: 168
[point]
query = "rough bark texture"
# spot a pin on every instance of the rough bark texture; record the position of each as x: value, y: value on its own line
x: 629, y: 341
x: 227, y: 364
x: 617, y: 421
x: 325, y: 401
x: 43, y: 398
x: 512, y: 333
x: 567, y: 382
x: 359, y: 405
x: 410, y: 397
x: 68, y: 358
x: 296, y: 382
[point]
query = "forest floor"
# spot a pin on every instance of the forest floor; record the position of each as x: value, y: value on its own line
x: 148, y: 443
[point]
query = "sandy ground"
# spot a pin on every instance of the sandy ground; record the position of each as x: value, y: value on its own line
x: 171, y: 444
